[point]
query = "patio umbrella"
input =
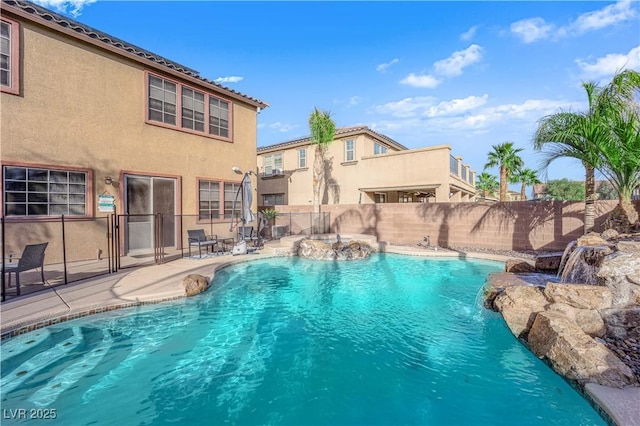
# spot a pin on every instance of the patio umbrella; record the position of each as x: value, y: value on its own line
x: 247, y: 199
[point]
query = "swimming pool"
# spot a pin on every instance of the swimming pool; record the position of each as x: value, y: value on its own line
x: 389, y: 340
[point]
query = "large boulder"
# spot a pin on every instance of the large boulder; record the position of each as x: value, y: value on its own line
x: 620, y: 272
x: 519, y: 306
x: 195, y: 284
x: 574, y: 354
x: 517, y: 266
x: 592, y: 239
x: 588, y: 320
x: 320, y: 250
x: 548, y: 261
x: 623, y: 323
x: 579, y: 296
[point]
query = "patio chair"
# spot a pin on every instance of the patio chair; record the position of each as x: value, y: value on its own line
x: 32, y: 257
x: 198, y: 238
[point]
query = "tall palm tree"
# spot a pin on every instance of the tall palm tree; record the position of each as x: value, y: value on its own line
x: 487, y: 183
x: 506, y: 157
x: 526, y: 177
x: 322, y: 129
x: 605, y: 138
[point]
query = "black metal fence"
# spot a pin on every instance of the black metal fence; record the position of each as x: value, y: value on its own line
x: 78, y: 249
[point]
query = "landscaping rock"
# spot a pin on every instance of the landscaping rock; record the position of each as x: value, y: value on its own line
x: 518, y: 266
x: 575, y: 355
x: 623, y: 323
x: 519, y: 306
x: 548, y: 262
x: 609, y: 234
x: 592, y: 239
x: 320, y: 250
x: 579, y: 296
x: 195, y: 284
x: 620, y: 272
x: 628, y: 246
x: 588, y: 320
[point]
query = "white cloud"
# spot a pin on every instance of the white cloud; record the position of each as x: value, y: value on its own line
x: 533, y: 29
x: 469, y: 34
x: 354, y: 100
x: 470, y: 114
x: 229, y: 79
x: 407, y: 107
x: 282, y: 127
x: 385, y: 66
x: 608, y: 65
x: 422, y: 81
x: 73, y: 7
x: 457, y: 106
x: 610, y: 15
x: 459, y: 60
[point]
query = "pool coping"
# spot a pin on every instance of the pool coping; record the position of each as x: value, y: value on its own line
x: 162, y: 283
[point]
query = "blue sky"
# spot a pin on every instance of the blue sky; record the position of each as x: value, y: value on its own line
x: 466, y: 74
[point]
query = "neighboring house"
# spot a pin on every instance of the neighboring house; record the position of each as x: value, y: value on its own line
x: 85, y: 114
x: 362, y: 166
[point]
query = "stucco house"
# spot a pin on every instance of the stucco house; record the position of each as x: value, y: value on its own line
x: 87, y: 116
x: 361, y: 167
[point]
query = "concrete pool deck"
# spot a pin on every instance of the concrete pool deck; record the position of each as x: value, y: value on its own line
x: 158, y: 283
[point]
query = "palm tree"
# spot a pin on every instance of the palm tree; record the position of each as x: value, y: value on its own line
x: 487, y: 183
x: 506, y: 157
x: 605, y: 138
x: 322, y: 130
x: 526, y: 177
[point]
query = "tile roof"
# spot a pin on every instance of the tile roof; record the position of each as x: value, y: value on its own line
x: 341, y: 131
x: 87, y: 31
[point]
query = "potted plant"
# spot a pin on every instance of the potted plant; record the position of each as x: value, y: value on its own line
x: 270, y: 215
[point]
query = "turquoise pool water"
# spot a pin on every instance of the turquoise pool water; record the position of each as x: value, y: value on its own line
x: 287, y: 341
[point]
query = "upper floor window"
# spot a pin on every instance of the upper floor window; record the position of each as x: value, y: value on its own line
x: 208, y: 199
x: 379, y: 149
x: 35, y: 191
x: 9, y: 56
x: 218, y: 117
x: 302, y: 158
x: 272, y: 164
x: 162, y: 100
x: 349, y: 150
x: 192, y: 110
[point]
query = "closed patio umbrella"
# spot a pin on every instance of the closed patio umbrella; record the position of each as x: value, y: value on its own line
x: 247, y: 199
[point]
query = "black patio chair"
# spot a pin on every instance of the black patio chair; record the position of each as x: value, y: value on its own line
x: 32, y: 257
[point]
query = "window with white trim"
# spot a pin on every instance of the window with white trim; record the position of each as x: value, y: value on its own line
x: 273, y: 199
x: 162, y: 100
x: 230, y: 191
x: 218, y: 117
x: 349, y: 150
x: 192, y: 109
x: 379, y: 149
x: 272, y: 164
x: 35, y: 191
x: 302, y: 158
x: 9, y: 56
x: 208, y: 199
x: 184, y: 108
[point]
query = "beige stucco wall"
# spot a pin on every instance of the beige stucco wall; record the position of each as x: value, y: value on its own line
x: 519, y: 225
x: 81, y: 106
x: 426, y: 167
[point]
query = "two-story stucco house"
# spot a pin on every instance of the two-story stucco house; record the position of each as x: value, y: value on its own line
x: 84, y: 114
x: 362, y: 166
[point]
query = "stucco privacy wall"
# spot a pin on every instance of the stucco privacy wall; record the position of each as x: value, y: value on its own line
x: 526, y: 225
x: 82, y: 106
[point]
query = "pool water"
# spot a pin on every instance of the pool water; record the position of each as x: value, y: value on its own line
x: 287, y: 341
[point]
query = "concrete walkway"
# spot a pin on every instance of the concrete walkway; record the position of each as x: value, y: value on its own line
x: 157, y: 283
